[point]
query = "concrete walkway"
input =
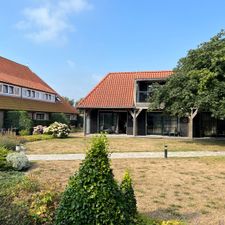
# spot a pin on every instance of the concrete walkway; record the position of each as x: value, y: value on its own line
x: 127, y: 155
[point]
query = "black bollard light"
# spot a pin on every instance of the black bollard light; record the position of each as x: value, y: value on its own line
x: 165, y: 151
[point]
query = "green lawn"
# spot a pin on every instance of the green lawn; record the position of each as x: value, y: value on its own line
x: 77, y: 143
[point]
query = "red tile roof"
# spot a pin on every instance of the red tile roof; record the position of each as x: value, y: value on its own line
x: 20, y: 75
x: 116, y: 90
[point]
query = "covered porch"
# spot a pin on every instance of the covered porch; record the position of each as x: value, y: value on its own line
x: 133, y: 122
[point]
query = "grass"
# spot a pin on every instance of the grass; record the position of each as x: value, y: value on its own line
x: 77, y: 143
x: 164, y: 188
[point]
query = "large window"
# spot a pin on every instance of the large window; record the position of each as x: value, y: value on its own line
x: 108, y: 122
x: 160, y: 124
x: 113, y: 122
x: 144, y: 90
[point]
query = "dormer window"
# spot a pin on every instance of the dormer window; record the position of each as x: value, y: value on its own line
x: 5, y: 89
x: 11, y: 90
x: 28, y: 93
x: 33, y: 94
x: 17, y: 91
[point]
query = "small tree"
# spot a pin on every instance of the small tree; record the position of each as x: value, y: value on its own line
x: 25, y: 122
x: 18, y: 119
x: 92, y: 196
x: 70, y: 101
x: 59, y: 117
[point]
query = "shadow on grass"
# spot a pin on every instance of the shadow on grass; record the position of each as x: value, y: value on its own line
x: 172, y: 213
x: 214, y: 142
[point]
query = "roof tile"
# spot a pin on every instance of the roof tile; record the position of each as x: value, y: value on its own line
x: 116, y: 90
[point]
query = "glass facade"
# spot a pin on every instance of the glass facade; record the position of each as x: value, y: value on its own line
x: 113, y: 122
x: 107, y: 122
x: 160, y: 124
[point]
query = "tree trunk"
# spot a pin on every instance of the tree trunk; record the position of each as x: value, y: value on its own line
x: 190, y: 125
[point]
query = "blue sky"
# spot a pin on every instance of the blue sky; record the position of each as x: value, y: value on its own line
x: 72, y: 44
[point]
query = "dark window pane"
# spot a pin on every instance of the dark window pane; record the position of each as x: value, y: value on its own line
x: 40, y: 116
x: 33, y: 94
x: 5, y: 88
x: 28, y: 93
x: 11, y: 89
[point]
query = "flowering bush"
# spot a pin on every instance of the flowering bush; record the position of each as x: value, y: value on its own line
x: 18, y: 161
x: 39, y: 129
x: 58, y: 130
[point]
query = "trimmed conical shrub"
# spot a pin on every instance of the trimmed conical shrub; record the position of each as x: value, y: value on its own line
x: 92, y: 196
x: 130, y: 205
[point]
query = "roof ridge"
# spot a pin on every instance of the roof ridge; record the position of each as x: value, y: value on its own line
x: 146, y: 71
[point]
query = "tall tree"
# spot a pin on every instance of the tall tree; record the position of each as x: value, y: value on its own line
x: 198, y: 83
x: 70, y: 101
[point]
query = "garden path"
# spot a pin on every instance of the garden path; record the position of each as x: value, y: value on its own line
x: 127, y: 155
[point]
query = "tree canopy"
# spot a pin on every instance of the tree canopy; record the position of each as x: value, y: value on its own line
x: 70, y: 101
x: 198, y: 82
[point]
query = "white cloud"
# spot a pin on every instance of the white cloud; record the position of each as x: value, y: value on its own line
x: 50, y: 21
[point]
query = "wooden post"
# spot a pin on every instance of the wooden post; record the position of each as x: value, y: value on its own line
x: 134, y: 124
x: 84, y: 123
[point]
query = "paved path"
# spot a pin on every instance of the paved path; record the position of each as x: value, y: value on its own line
x: 127, y: 155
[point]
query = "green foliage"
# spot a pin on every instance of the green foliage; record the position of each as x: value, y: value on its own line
x: 59, y: 117
x: 14, y: 212
x: 24, y: 132
x: 43, y: 207
x: 25, y: 122
x: 93, y: 196
x: 130, y: 201
x: 18, y: 119
x: 3, y: 163
x: 9, y: 142
x: 198, y: 82
x: 70, y: 101
x: 37, y: 137
x: 144, y: 220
